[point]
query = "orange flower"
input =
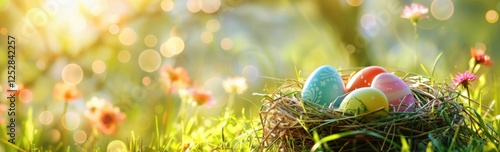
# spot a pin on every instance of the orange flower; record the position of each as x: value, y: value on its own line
x: 175, y: 78
x: 104, y: 116
x: 65, y: 92
x: 480, y: 57
x: 3, y: 108
x: 19, y: 88
x: 202, y: 97
x: 109, y: 119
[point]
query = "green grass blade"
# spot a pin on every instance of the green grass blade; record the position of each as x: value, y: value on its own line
x: 435, y: 142
x: 436, y: 62
x: 344, y: 134
x: 425, y: 70
x: 404, y: 145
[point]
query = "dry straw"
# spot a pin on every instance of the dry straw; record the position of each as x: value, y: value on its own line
x: 440, y: 121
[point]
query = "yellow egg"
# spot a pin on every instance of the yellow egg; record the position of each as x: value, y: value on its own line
x: 365, y: 100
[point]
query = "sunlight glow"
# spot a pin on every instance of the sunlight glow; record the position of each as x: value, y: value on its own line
x: 492, y: 16
x: 72, y: 74
x: 442, y: 9
x: 149, y: 60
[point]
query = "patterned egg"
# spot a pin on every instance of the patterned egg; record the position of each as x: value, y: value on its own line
x: 323, y: 86
x: 363, y: 78
x: 396, y: 90
x: 365, y: 100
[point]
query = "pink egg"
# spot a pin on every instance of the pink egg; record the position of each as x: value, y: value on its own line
x: 396, y: 90
x: 363, y: 78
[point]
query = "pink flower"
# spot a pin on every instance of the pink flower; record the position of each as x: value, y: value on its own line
x: 104, y: 116
x: 480, y: 57
x: 202, y: 97
x: 464, y: 79
x: 415, y: 12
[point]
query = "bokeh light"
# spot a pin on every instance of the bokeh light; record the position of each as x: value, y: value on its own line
x: 123, y: 56
x: 207, y: 37
x: 72, y: 74
x: 193, y: 6
x: 158, y: 109
x: 167, y: 5
x: 354, y: 2
x: 146, y: 80
x: 54, y: 135
x: 250, y: 72
x: 173, y: 46
x: 150, y: 40
x: 350, y: 48
x: 480, y: 46
x: 213, y: 25
x: 3, y: 31
x: 442, y: 9
x: 116, y: 146
x: 25, y: 96
x: 98, y: 66
x: 128, y: 36
x: 491, y: 16
x: 368, y: 21
x: 226, y: 43
x: 149, y: 60
x: 71, y: 120
x: 114, y: 29
x: 210, y: 6
x: 46, y: 117
x: 79, y: 136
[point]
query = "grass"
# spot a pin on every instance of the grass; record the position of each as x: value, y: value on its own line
x: 236, y: 132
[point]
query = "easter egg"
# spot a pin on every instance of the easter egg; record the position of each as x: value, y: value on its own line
x: 323, y: 86
x: 396, y: 90
x: 365, y: 100
x: 363, y: 78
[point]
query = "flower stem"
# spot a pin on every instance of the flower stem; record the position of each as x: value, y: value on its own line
x: 229, y: 105
x: 63, y: 116
x: 473, y: 70
x: 231, y: 100
x: 65, y: 108
x: 415, y: 38
x: 468, y: 94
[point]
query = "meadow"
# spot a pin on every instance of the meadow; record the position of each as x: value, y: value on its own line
x: 199, y: 75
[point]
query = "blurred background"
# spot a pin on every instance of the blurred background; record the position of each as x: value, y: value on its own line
x: 118, y: 47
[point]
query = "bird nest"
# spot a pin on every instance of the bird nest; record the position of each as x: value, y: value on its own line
x: 441, y: 120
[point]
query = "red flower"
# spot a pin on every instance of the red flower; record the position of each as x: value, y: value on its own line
x: 464, y: 79
x: 480, y: 57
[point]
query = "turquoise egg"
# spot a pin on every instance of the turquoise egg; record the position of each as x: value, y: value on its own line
x: 323, y: 86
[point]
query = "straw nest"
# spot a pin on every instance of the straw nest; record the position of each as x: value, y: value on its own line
x: 440, y: 120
